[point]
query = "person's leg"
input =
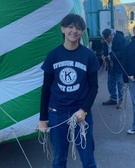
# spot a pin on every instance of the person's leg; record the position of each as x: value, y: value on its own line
x: 87, y: 154
x: 58, y: 137
x: 132, y: 93
x: 119, y: 78
x: 112, y: 85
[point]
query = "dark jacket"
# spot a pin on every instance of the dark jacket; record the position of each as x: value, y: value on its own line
x: 118, y: 48
x: 129, y: 60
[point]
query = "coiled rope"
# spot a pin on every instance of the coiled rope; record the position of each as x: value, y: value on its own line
x: 83, y: 125
x: 123, y: 114
x: 44, y: 139
x: 71, y: 135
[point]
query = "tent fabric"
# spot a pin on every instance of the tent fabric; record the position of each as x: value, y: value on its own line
x: 28, y: 31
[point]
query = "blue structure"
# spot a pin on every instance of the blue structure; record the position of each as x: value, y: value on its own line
x: 98, y: 18
x: 92, y: 8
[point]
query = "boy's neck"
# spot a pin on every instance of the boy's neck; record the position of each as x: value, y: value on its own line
x: 71, y: 46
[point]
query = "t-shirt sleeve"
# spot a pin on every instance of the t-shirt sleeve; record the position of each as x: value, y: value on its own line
x: 48, y: 64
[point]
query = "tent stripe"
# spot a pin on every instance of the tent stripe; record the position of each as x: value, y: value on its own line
x: 37, y: 49
x: 30, y: 124
x: 20, y: 84
x: 32, y: 25
x: 12, y: 10
x: 20, y: 108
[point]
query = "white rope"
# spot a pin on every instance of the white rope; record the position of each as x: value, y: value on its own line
x: 8, y: 115
x: 43, y: 139
x: 122, y: 117
x: 81, y: 133
x: 120, y: 64
x: 73, y: 123
x: 71, y: 134
x: 21, y: 148
x: 16, y: 136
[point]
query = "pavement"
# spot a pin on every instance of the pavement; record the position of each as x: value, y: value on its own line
x: 114, y: 148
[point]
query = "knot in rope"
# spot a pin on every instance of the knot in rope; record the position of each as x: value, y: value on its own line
x: 73, y: 136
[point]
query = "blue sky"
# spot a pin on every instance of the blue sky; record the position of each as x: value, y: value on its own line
x: 126, y: 1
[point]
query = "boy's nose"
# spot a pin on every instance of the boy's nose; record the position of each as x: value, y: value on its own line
x: 74, y: 29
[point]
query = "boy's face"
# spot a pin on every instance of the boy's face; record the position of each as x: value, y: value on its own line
x: 72, y: 33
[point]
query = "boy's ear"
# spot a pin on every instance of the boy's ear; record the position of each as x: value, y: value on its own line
x: 62, y: 29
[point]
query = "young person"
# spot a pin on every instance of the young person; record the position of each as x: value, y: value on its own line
x: 70, y: 86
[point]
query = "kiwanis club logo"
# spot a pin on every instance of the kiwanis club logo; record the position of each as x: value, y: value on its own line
x: 68, y: 76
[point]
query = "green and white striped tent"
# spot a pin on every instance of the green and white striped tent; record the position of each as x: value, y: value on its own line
x: 29, y: 29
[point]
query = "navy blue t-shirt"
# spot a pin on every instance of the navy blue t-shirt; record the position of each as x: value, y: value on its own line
x: 70, y: 69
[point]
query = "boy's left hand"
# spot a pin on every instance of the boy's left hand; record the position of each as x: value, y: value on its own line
x: 80, y: 115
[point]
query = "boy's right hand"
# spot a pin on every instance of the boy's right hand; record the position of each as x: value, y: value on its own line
x: 43, y: 125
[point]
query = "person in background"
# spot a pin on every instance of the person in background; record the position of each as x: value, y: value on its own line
x: 114, y: 45
x: 70, y: 86
x: 129, y: 75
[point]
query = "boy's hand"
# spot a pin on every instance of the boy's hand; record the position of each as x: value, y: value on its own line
x: 80, y: 115
x: 42, y: 126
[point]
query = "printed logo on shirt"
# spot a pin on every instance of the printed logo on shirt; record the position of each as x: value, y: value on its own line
x: 68, y: 75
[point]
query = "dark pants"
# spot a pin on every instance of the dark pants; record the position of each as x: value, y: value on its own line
x: 60, y: 143
x: 115, y: 85
x: 132, y: 93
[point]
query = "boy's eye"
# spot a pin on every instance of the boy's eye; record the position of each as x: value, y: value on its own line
x: 70, y: 26
x: 77, y: 27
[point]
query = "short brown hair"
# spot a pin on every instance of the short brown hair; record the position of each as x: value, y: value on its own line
x: 74, y: 19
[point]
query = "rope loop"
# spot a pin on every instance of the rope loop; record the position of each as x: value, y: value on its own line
x: 72, y: 136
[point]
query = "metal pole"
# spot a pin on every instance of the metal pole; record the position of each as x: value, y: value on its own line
x: 112, y: 14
